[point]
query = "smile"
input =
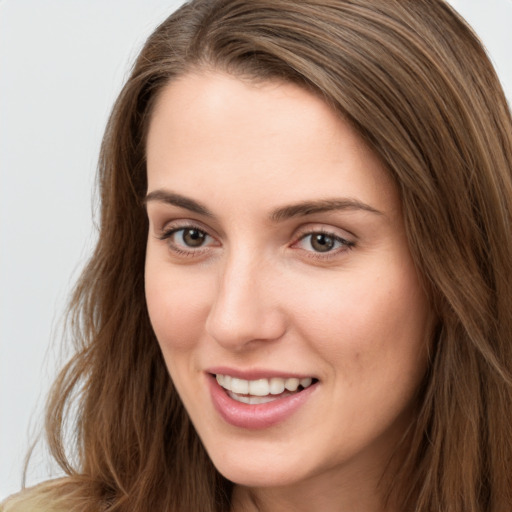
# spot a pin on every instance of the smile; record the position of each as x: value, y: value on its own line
x: 260, y: 402
x: 262, y: 391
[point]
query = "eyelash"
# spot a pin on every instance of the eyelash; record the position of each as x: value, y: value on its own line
x: 167, y: 235
x: 344, y: 244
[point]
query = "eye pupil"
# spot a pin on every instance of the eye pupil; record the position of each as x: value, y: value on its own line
x: 322, y: 242
x: 193, y: 237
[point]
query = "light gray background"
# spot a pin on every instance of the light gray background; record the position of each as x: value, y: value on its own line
x: 62, y: 63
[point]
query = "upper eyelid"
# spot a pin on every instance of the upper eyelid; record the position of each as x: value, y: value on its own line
x: 326, y: 233
x: 337, y: 232
x: 167, y: 236
x: 175, y: 229
x: 177, y: 224
x: 344, y: 241
x: 299, y: 233
x: 167, y: 232
x: 161, y: 213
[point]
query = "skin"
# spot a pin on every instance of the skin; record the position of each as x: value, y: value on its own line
x: 256, y: 293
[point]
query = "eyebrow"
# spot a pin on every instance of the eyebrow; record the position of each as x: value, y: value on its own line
x: 323, y: 205
x: 300, y: 209
x: 178, y: 200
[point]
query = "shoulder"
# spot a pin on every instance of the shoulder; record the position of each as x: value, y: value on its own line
x: 52, y: 496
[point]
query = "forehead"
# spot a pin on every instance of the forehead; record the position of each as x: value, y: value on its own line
x: 214, y: 135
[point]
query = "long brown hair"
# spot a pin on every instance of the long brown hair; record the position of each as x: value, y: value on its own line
x: 414, y: 81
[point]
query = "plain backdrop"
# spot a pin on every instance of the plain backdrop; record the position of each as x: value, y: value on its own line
x: 62, y: 63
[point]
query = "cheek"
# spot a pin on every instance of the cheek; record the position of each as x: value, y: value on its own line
x: 176, y: 306
x: 363, y: 323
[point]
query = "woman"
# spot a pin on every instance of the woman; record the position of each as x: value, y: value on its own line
x: 300, y: 296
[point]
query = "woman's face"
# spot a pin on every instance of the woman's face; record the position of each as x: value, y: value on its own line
x: 277, y: 258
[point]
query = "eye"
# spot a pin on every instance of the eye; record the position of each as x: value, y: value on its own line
x: 191, y: 237
x: 323, y: 242
x: 187, y: 240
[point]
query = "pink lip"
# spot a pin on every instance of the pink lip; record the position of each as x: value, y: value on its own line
x: 258, y: 416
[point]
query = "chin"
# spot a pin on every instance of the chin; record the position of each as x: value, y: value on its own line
x: 258, y: 469
x: 247, y: 475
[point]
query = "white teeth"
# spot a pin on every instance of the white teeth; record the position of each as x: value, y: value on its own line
x: 306, y: 382
x: 291, y: 384
x: 260, y: 387
x: 276, y: 386
x: 240, y: 386
x: 251, y: 400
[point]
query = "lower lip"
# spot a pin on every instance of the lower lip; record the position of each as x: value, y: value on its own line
x: 257, y: 416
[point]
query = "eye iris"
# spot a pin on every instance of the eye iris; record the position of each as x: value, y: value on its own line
x: 322, y: 242
x: 193, y: 237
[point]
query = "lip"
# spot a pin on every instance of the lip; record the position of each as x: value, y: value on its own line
x: 260, y: 416
x: 254, y: 374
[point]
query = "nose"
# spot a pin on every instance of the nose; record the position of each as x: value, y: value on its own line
x: 246, y: 308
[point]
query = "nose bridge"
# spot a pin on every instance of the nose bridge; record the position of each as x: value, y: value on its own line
x: 245, y: 308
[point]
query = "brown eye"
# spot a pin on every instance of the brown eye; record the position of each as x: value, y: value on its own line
x: 187, y: 239
x: 192, y: 237
x: 321, y: 242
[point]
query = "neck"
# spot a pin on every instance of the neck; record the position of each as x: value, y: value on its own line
x: 327, y: 495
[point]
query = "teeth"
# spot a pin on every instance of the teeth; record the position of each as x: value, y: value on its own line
x: 276, y: 386
x: 291, y: 384
x: 240, y: 386
x: 261, y: 387
x: 251, y: 400
x: 305, y: 383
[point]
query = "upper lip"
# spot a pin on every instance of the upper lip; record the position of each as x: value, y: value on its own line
x: 256, y: 373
